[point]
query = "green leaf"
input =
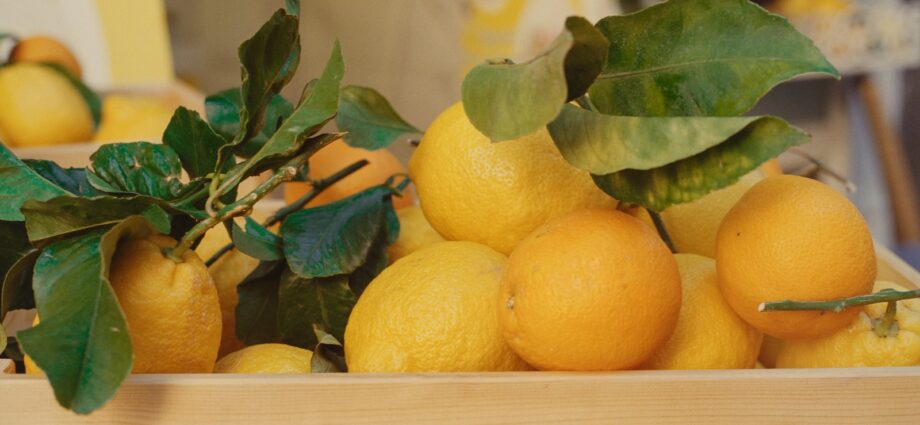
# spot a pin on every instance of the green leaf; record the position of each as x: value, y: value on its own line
x: 195, y: 142
x: 269, y: 60
x: 223, y: 110
x: 714, y: 168
x: 369, y: 119
x: 72, y: 180
x: 90, y: 97
x: 706, y: 57
x: 21, y: 183
x: 14, y: 242
x: 329, y: 355
x: 64, y: 215
x: 17, y: 285
x: 335, y: 238
x: 604, y: 144
x: 294, y: 135
x: 82, y: 343
x: 292, y: 7
x: 257, y: 241
x: 377, y: 258
x: 143, y: 168
x: 505, y: 101
x: 303, y: 304
x: 257, y: 310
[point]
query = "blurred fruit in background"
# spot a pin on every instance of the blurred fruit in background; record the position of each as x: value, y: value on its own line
x: 128, y: 118
x: 44, y: 49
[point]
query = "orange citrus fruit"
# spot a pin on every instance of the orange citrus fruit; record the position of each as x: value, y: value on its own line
x: 592, y: 290
x: 44, y: 49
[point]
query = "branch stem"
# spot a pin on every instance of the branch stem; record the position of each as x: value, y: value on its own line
x: 662, y: 230
x: 837, y: 306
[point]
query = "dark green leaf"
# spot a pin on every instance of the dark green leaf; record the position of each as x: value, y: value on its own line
x: 329, y: 355
x: 377, y: 259
x: 64, y: 215
x: 14, y: 242
x: 82, y: 343
x: 143, y: 168
x: 257, y: 241
x: 604, y: 144
x: 715, y: 168
x: 293, y: 136
x: 17, y: 285
x: 92, y: 101
x: 292, y: 7
x: 257, y: 310
x: 335, y: 238
x: 369, y: 120
x: 196, y: 143
x: 21, y: 183
x: 706, y: 57
x: 323, y: 302
x: 505, y: 101
x: 72, y: 180
x: 223, y: 109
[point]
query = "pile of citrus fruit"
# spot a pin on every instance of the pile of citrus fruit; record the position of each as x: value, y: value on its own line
x: 513, y: 260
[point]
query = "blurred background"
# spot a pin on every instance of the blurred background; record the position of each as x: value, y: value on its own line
x: 416, y: 52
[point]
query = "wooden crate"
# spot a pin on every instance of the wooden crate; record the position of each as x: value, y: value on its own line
x: 776, y: 396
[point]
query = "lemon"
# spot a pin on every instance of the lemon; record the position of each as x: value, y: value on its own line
x: 39, y: 107
x: 126, y: 118
x: 858, y: 345
x: 709, y: 334
x: 432, y: 310
x: 266, y: 358
x: 494, y: 193
x: 414, y: 233
x: 228, y: 272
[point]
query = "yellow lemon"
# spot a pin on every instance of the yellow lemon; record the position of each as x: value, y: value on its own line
x: 494, y: 193
x: 127, y: 118
x: 266, y: 358
x: 432, y: 310
x: 415, y: 233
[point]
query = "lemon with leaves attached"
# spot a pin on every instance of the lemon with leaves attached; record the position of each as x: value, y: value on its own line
x: 40, y: 107
x: 432, y: 310
x: 862, y: 343
x: 266, y: 358
x: 495, y: 193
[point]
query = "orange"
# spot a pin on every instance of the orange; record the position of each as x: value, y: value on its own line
x: 45, y: 49
x: 592, y: 290
x: 790, y: 237
x: 381, y: 165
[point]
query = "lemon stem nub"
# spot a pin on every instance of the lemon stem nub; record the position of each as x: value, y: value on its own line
x: 887, y: 325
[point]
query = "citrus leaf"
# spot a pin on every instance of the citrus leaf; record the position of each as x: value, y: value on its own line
x: 2, y: 339
x: 706, y: 57
x: 64, y: 215
x: 256, y: 241
x: 292, y: 7
x: 376, y: 259
x: 195, y: 142
x: 14, y: 242
x: 323, y: 302
x: 17, y: 285
x: 310, y: 116
x: 604, y: 144
x: 257, y: 310
x: 21, y: 183
x: 505, y: 101
x: 82, y: 343
x: 143, y: 168
x: 369, y: 119
x: 89, y: 96
x: 714, y: 168
x: 267, y: 67
x: 72, y: 180
x: 329, y: 355
x: 334, y: 239
x: 223, y: 111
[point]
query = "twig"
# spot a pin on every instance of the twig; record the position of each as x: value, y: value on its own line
x: 836, y: 306
x: 662, y: 230
x: 823, y: 168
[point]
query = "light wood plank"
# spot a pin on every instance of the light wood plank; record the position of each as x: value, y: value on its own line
x: 7, y: 366
x: 815, y: 396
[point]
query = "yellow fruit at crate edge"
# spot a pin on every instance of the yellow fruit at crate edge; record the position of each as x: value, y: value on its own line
x: 266, y: 358
x: 790, y: 237
x: 857, y: 345
x: 432, y: 310
x: 592, y: 290
x: 172, y: 308
x: 127, y: 118
x: 382, y: 165
x: 709, y: 334
x: 769, y: 350
x: 415, y: 233
x: 693, y: 226
x: 39, y: 107
x: 495, y: 193
x: 45, y: 49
